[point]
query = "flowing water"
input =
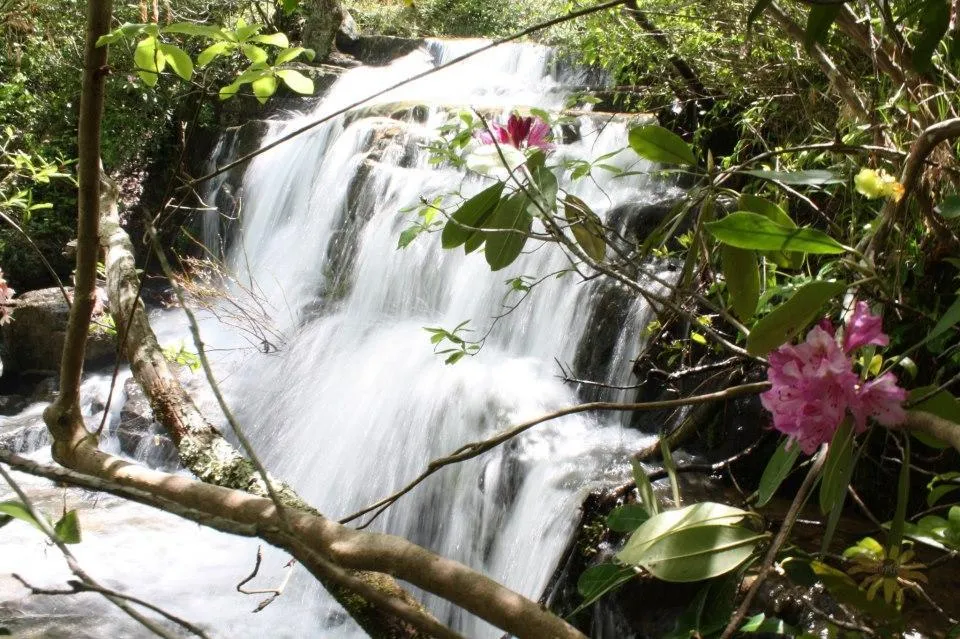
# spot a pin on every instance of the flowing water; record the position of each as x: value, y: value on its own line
x: 349, y: 401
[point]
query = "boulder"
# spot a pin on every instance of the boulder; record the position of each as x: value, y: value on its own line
x: 322, y: 20
x: 139, y: 435
x: 32, y: 342
x: 380, y: 50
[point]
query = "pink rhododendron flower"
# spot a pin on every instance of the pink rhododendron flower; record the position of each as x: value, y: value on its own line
x: 6, y: 294
x: 881, y: 399
x: 813, y: 384
x: 519, y: 133
x: 863, y: 328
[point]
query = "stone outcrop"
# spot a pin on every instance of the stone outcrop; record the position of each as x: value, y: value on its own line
x: 32, y: 342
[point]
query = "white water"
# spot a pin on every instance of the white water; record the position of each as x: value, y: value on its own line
x: 355, y: 403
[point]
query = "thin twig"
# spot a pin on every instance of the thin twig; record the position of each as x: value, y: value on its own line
x: 474, y: 449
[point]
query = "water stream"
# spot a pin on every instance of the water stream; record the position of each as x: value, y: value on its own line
x: 351, y: 402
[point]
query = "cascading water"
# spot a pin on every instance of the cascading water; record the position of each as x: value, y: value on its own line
x: 354, y: 403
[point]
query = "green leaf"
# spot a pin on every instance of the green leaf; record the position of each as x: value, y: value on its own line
x: 473, y: 213
x: 178, y: 60
x: 709, y: 611
x: 797, y: 178
x: 264, y: 87
x: 545, y: 182
x: 950, y: 207
x: 776, y: 214
x: 147, y: 61
x: 230, y: 90
x: 273, y: 39
x: 627, y: 518
x: 933, y: 23
x: 586, y: 227
x: 408, y: 236
x: 190, y: 29
x: 837, y: 469
x: 846, y: 591
x: 289, y: 54
x: 777, y: 470
x: 514, y: 220
x: 792, y: 316
x: 254, y: 53
x: 17, y: 510
x: 669, y: 522
x: 644, y: 488
x: 947, y: 321
x: 657, y: 144
x: 598, y: 580
x: 943, y: 405
x: 289, y: 6
x: 695, y: 554
x: 939, y: 492
x: 762, y: 623
x: 741, y: 271
x: 296, y: 81
x: 212, y: 52
x: 753, y: 231
x: 68, y: 528
x: 819, y: 21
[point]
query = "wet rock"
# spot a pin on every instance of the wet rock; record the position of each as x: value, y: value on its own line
x: 12, y: 404
x: 25, y: 432
x: 595, y: 354
x: 33, y: 341
x: 380, y: 50
x: 348, y: 35
x: 322, y: 19
x: 139, y: 435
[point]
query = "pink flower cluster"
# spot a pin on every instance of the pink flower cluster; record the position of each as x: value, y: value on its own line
x: 520, y: 133
x: 814, y: 384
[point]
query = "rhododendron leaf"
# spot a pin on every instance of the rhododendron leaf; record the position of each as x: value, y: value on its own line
x: 512, y: 219
x: 669, y: 522
x: 777, y: 470
x: 797, y: 178
x: 598, y: 580
x: 741, y: 270
x: 703, y: 552
x: 644, y: 488
x: 473, y: 213
x: 837, y: 468
x: 947, y: 321
x: 586, y: 227
x: 627, y: 518
x: 657, y: 144
x: 791, y: 317
x: 754, y: 231
x: 943, y: 404
x: 776, y: 214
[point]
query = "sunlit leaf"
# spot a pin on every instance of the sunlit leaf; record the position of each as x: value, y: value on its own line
x: 212, y: 52
x: 586, y: 227
x: 777, y: 470
x: 787, y: 320
x: 813, y: 177
x: 657, y: 144
x: 741, y: 271
x: 178, y: 60
x: 754, y: 231
x: 264, y: 87
x: 513, y: 219
x: 627, y: 518
x: 296, y: 81
x: 68, y: 528
x: 699, y: 553
x: 273, y: 39
x: 466, y: 221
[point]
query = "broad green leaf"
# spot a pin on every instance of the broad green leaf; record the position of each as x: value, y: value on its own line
x: 695, y: 554
x: 709, y: 611
x: 947, y: 321
x: 813, y: 177
x: 792, y: 316
x: 627, y: 518
x: 644, y: 488
x: 408, y: 236
x: 933, y: 23
x: 19, y: 511
x: 837, y: 469
x: 513, y: 219
x: 254, y: 53
x: 212, y: 52
x: 147, y: 60
x: 754, y: 231
x: 229, y: 91
x: 190, y: 29
x: 765, y: 624
x: 586, y: 227
x: 669, y: 522
x: 546, y: 185
x: 819, y: 21
x: 939, y: 492
x: 473, y: 213
x: 657, y: 144
x: 264, y: 87
x: 178, y: 60
x: 68, y: 528
x: 777, y: 470
x: 289, y: 6
x: 950, y: 207
x: 288, y: 54
x: 244, y: 31
x: 741, y: 270
x: 598, y: 580
x: 273, y: 39
x: 776, y: 214
x: 296, y: 81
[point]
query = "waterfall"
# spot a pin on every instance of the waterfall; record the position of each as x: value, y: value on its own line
x: 351, y: 402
